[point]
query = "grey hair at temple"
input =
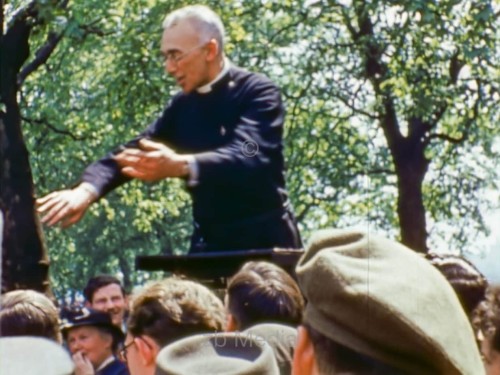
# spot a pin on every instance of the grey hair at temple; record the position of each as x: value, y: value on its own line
x: 205, y: 21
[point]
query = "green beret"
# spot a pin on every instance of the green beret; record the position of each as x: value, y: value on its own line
x: 381, y: 299
x: 217, y: 354
x: 26, y: 355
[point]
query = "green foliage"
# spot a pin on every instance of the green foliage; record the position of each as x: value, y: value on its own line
x: 105, y: 83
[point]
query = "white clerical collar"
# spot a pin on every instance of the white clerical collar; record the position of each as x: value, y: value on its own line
x: 205, y: 89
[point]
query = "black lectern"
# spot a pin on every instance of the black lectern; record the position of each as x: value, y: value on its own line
x: 216, y: 267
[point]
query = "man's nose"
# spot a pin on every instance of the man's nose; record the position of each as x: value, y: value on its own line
x: 170, y: 66
x: 109, y: 304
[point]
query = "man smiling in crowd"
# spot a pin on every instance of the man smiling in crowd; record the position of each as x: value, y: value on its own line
x: 106, y: 293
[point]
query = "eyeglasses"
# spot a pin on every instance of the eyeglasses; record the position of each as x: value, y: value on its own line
x: 123, y: 351
x: 177, y: 56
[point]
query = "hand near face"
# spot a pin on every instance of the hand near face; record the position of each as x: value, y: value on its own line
x: 82, y: 364
x: 65, y: 206
x: 153, y: 161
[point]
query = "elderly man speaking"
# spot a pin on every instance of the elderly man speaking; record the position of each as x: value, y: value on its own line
x: 222, y: 134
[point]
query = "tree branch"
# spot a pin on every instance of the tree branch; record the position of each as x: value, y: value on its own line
x: 1, y: 17
x: 371, y: 172
x: 91, y: 29
x: 41, y: 56
x: 289, y: 26
x: 375, y: 70
x: 448, y: 138
x: 456, y: 66
x: 468, y: 124
x: 23, y: 14
x: 300, y: 216
x: 354, y: 109
x: 52, y: 127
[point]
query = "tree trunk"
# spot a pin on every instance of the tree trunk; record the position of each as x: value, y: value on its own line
x: 411, y: 167
x: 408, y: 152
x: 24, y: 256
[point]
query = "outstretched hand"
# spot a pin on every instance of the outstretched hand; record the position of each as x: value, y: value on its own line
x: 152, y: 161
x: 64, y: 206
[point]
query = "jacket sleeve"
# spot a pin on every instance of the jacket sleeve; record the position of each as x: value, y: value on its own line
x: 105, y: 174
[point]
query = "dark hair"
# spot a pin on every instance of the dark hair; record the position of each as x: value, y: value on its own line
x: 173, y: 308
x: 467, y: 281
x: 97, y: 282
x: 262, y: 292
x: 334, y: 358
x: 487, y: 316
x: 29, y: 313
x: 495, y: 341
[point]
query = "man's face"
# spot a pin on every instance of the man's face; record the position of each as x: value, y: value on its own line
x: 491, y: 358
x: 304, y: 361
x: 134, y: 363
x: 140, y: 354
x: 110, y: 299
x: 185, y: 57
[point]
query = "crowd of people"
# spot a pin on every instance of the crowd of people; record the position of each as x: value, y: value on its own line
x: 356, y: 303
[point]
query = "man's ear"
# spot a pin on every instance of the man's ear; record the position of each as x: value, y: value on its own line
x: 304, y: 361
x: 148, y: 350
x: 231, y: 325
x: 88, y: 305
x: 213, y: 49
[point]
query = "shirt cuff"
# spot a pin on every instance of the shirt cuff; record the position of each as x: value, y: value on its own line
x: 192, y: 180
x: 88, y: 187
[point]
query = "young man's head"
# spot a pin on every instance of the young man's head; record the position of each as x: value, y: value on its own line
x: 262, y: 292
x: 164, y: 312
x: 488, y: 320
x: 375, y: 306
x: 28, y: 313
x: 490, y: 348
x: 193, y: 44
x: 105, y: 293
x: 467, y: 281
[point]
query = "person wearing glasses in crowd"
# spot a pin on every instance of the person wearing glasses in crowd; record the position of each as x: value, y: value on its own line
x: 222, y: 134
x: 92, y: 339
x: 166, y: 311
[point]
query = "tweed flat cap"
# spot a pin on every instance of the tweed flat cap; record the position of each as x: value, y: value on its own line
x: 217, y: 354
x: 381, y: 299
x: 25, y: 355
x: 281, y: 338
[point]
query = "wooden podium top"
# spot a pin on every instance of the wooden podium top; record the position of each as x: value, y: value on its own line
x: 217, y: 265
